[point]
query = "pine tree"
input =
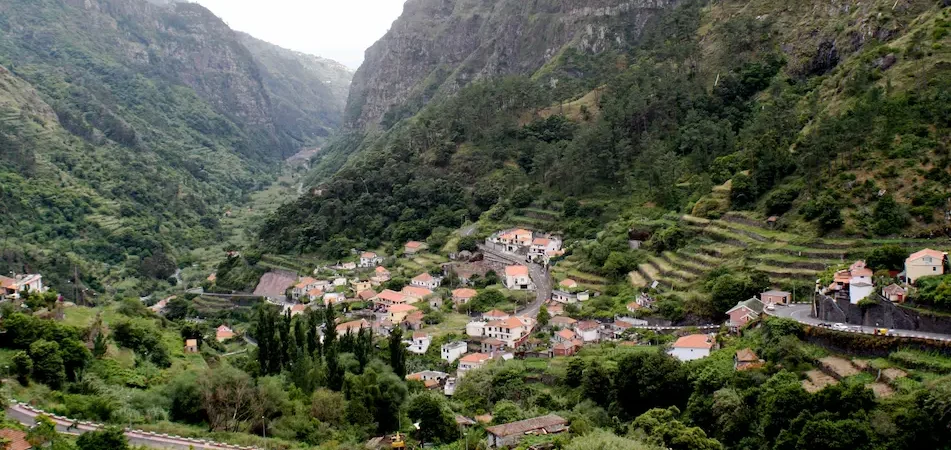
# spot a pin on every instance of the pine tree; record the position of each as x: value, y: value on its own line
x: 397, y: 352
x: 363, y: 346
x: 100, y: 346
x: 334, y: 370
x: 313, y: 334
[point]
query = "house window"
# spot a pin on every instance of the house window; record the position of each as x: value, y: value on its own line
x: 934, y: 269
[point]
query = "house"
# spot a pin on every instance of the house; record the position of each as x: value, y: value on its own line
x: 465, y: 272
x: 352, y: 327
x: 510, y: 434
x: 924, y: 263
x: 894, y: 293
x: 382, y: 327
x: 314, y: 294
x: 860, y: 282
x: 425, y: 280
x: 369, y: 259
x: 512, y: 240
x: 223, y: 333
x: 358, y: 285
x: 338, y: 282
x: 565, y: 335
x: 380, y: 275
x: 588, y: 330
x: 471, y: 361
x: 453, y: 350
x: 509, y: 330
x: 413, y: 320
x: 543, y: 248
x: 463, y: 296
x: 564, y: 348
x: 420, y: 343
x: 492, y: 346
x: 413, y: 247
x: 464, y: 422
x: 691, y: 347
x: 495, y: 314
x: 303, y: 287
x: 332, y: 298
x: 432, y: 379
x: 568, y: 284
x: 622, y: 324
x: 297, y: 310
x: 517, y: 278
x: 389, y: 298
x: 12, y: 287
x: 475, y: 328
x: 562, y: 322
x: 397, y: 313
x: 633, y: 307
x: 555, y: 309
x: 642, y: 301
x: 191, y: 346
x: 160, y: 305
x: 773, y: 297
x: 15, y: 439
x: 564, y: 297
x: 745, y: 359
x: 366, y: 295
x: 744, y: 312
x: 414, y: 294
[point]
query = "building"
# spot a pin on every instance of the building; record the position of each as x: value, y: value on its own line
x: 413, y: 320
x: 510, y: 434
x: 223, y: 333
x: 564, y: 297
x: 413, y: 247
x: 380, y: 275
x: 509, y: 331
x: 517, y: 278
x: 860, y: 282
x: 512, y: 240
x: 471, y: 361
x: 543, y: 248
x: 369, y: 259
x: 475, y: 328
x: 420, y: 343
x: 744, y: 312
x: 12, y: 287
x: 332, y: 298
x: 495, y: 314
x: 565, y: 335
x: 352, y: 327
x: 389, y: 297
x: 360, y: 286
x: 427, y: 281
x: 588, y: 331
x: 568, y: 284
x: 303, y: 287
x: 397, y: 313
x: 562, y: 322
x: 774, y: 297
x: 894, y: 293
x: 453, y: 350
x: 432, y: 379
x: 643, y: 301
x: 463, y: 296
x: 414, y: 294
x: 492, y: 346
x: 564, y: 349
x: 745, y: 359
x: 15, y: 439
x: 555, y: 309
x: 691, y: 347
x: 366, y: 295
x: 924, y: 263
x: 297, y: 310
x: 191, y: 346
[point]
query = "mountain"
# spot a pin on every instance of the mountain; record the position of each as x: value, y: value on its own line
x: 830, y: 117
x: 130, y: 125
x: 436, y: 47
x: 308, y: 93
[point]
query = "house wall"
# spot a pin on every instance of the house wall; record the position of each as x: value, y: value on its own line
x: 858, y: 292
x: 453, y: 354
x: 738, y: 317
x: 774, y: 299
x: 919, y: 268
x: 689, y: 354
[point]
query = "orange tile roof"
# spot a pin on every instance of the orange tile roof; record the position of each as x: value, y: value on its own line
x: 562, y: 320
x: 381, y: 269
x: 568, y: 283
x: 423, y: 277
x: 191, y: 343
x: 588, y: 325
x: 414, y: 244
x: 511, y: 322
x: 400, y: 308
x: 464, y: 293
x: 746, y: 355
x: 926, y: 252
x: 304, y: 282
x: 316, y: 292
x: 516, y: 271
x: 367, y: 294
x: 352, y: 324
x: 566, y: 334
x: 390, y: 296
x: 298, y: 308
x: 415, y: 291
x: 475, y: 358
x: 368, y: 255
x: 17, y: 439
x: 694, y: 341
x: 541, y: 241
x: 494, y: 313
x: 420, y: 334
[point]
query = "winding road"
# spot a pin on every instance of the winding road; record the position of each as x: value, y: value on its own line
x: 539, y: 274
x: 27, y: 416
x: 802, y: 313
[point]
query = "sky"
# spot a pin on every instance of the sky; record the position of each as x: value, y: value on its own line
x: 337, y: 29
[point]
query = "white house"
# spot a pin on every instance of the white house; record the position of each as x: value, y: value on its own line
x: 453, y: 350
x: 19, y: 283
x: 369, y: 259
x: 517, y: 278
x: 923, y: 263
x: 475, y: 328
x: 588, y: 330
x: 860, y: 283
x: 472, y: 361
x: 691, y: 347
x: 420, y: 343
x: 340, y: 282
x: 509, y: 331
x: 427, y: 281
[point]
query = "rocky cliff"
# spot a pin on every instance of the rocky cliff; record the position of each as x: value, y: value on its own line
x: 438, y: 46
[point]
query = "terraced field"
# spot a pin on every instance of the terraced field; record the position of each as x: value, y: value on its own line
x: 740, y: 240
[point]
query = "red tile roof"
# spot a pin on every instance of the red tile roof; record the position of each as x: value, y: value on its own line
x: 464, y: 293
x: 400, y: 308
x: 566, y: 334
x: 926, y: 252
x: 475, y: 358
x: 367, y: 294
x: 516, y: 271
x: 414, y: 244
x: 494, y: 313
x: 694, y: 341
x: 423, y: 278
x: 524, y: 426
x: 390, y: 296
x: 414, y: 291
x: 368, y: 255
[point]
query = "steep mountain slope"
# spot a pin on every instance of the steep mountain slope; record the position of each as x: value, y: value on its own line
x: 129, y: 125
x: 437, y: 46
x: 308, y: 93
x: 832, y: 115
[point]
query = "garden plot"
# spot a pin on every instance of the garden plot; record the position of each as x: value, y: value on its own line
x: 839, y: 367
x: 817, y: 381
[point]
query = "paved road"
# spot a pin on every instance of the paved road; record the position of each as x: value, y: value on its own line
x: 540, y: 276
x: 27, y: 417
x: 802, y: 313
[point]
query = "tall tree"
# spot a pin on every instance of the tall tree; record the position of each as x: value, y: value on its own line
x: 313, y: 333
x: 397, y: 352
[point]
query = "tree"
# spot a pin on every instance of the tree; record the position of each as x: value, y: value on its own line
x: 110, y: 438
x: 397, y: 352
x: 506, y: 411
x: 887, y: 257
x: 646, y: 380
x: 328, y: 406
x: 185, y: 395
x: 48, y: 367
x: 100, y: 346
x: 575, y: 372
x: 22, y: 367
x: 889, y: 217
x: 177, y: 308
x: 661, y: 427
x: 596, y: 384
x: 604, y: 440
x: 436, y: 421
x: 468, y: 243
x: 75, y: 357
x: 229, y: 398
x: 542, y: 317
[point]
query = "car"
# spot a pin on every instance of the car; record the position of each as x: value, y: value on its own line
x: 840, y: 327
x: 770, y: 307
x: 825, y: 325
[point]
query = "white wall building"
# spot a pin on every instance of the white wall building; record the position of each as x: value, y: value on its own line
x: 517, y: 278
x: 691, y: 347
x: 453, y: 350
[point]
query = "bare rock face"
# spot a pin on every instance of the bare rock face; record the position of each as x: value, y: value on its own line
x: 441, y: 45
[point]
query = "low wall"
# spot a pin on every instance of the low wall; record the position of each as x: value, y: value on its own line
x: 883, y: 314
x: 869, y: 345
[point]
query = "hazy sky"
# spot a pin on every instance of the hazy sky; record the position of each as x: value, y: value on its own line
x: 337, y: 29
